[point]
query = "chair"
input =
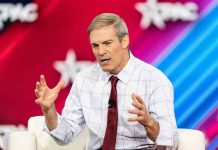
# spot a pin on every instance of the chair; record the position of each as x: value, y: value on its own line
x: 35, y: 139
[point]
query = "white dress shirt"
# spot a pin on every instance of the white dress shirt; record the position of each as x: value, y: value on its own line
x: 87, y: 105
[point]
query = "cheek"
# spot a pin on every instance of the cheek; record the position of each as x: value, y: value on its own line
x: 95, y: 53
x: 116, y: 60
x: 117, y: 55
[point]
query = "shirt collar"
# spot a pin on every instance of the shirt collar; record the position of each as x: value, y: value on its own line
x: 124, y: 75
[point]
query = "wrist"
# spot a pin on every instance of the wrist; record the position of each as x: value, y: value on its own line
x: 152, y: 128
x: 47, y: 111
x: 149, y: 122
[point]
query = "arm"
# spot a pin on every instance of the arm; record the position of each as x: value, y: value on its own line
x: 45, y: 98
x: 161, y: 108
x: 144, y: 118
x: 66, y: 127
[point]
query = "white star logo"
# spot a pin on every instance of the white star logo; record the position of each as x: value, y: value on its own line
x: 150, y: 14
x: 70, y: 67
x: 158, y: 12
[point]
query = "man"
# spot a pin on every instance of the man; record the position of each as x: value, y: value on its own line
x: 124, y: 102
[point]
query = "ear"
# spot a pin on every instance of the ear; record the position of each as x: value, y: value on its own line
x: 125, y: 41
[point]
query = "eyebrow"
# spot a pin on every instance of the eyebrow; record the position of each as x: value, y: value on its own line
x: 103, y: 42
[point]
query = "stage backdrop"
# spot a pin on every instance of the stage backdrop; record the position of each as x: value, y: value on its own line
x: 49, y: 37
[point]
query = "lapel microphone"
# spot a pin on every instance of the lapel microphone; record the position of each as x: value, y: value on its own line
x: 110, y: 103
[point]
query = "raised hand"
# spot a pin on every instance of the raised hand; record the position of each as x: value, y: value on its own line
x: 45, y: 95
x: 144, y: 118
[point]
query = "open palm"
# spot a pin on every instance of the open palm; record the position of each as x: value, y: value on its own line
x: 45, y: 95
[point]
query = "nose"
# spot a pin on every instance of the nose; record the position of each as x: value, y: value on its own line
x: 101, y: 50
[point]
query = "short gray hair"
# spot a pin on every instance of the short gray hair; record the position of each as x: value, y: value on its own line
x: 106, y: 19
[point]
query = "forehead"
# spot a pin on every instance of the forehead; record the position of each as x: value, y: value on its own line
x: 103, y: 34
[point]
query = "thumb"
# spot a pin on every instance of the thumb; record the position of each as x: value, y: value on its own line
x: 60, y: 85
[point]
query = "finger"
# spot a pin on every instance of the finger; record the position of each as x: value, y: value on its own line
x: 60, y: 85
x: 136, y: 112
x: 140, y: 100
x: 137, y: 98
x: 36, y: 93
x: 133, y: 96
x: 134, y: 119
x: 38, y: 85
x: 38, y: 101
x: 138, y: 105
x: 39, y: 94
x: 42, y: 80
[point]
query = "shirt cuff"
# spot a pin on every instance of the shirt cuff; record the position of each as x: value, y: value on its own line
x: 57, y: 133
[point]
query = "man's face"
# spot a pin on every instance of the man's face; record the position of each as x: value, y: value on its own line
x: 111, y: 53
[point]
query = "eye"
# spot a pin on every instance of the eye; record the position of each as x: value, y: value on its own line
x: 94, y: 45
x: 108, y: 43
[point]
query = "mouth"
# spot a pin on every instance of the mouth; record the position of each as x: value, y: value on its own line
x: 104, y: 61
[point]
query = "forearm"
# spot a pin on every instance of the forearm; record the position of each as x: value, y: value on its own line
x: 152, y: 128
x: 51, y: 118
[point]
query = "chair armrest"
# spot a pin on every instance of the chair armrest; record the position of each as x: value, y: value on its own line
x: 190, y: 139
x: 21, y: 140
x: 40, y: 140
x: 46, y: 142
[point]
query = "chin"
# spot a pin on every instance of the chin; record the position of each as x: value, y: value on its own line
x: 105, y: 69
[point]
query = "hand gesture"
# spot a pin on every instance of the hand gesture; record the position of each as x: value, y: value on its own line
x: 143, y: 117
x: 45, y: 95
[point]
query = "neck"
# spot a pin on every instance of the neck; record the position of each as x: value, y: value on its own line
x: 123, y: 63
